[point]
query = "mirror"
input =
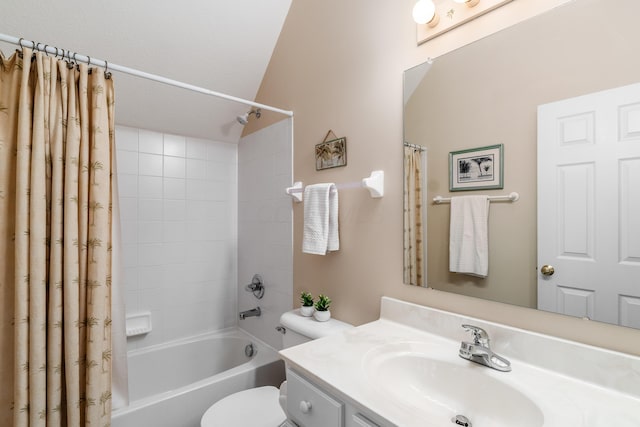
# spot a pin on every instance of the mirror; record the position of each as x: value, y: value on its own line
x: 487, y: 93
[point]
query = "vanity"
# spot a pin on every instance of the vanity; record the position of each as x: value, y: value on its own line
x: 404, y: 369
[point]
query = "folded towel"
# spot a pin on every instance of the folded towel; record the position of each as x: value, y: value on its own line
x: 320, y: 219
x: 469, y: 235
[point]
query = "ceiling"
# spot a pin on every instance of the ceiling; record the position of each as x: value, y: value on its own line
x: 221, y: 45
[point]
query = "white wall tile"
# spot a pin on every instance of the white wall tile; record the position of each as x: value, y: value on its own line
x: 176, y: 252
x: 151, y: 299
x: 199, y: 190
x: 175, y: 145
x: 196, y: 169
x: 129, y: 231
x: 150, y: 209
x: 126, y: 138
x: 175, y: 188
x: 150, y: 164
x: 149, y: 254
x: 197, y: 148
x: 174, y: 167
x: 150, y: 232
x: 127, y: 185
x: 130, y: 255
x: 264, y: 226
x: 150, y: 277
x: 150, y: 142
x: 126, y: 162
x: 175, y: 232
x: 199, y: 210
x: 175, y: 210
x: 128, y: 208
x: 150, y: 186
x: 174, y: 265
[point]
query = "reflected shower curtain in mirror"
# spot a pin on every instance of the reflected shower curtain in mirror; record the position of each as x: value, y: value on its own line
x: 56, y: 150
x: 413, y: 227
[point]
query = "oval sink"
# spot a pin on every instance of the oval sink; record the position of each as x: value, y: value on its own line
x: 418, y: 376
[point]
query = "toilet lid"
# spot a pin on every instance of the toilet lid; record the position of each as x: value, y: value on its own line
x: 256, y: 407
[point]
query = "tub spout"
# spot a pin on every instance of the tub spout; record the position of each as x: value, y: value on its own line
x: 254, y: 312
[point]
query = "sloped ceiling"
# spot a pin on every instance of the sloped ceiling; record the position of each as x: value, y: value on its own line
x: 221, y: 45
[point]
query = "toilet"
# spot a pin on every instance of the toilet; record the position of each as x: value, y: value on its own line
x: 266, y: 403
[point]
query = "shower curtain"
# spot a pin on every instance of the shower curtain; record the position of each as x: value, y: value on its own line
x: 56, y: 151
x: 413, y: 227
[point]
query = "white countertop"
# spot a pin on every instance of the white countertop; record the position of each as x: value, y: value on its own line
x: 336, y: 363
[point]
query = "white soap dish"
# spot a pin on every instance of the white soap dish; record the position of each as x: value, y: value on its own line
x: 138, y: 323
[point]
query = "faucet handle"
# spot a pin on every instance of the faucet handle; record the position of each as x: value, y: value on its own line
x: 480, y: 336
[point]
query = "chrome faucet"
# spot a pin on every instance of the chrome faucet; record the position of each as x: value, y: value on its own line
x: 254, y: 312
x: 480, y: 352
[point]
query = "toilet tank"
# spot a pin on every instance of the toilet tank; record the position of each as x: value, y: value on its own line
x: 300, y: 329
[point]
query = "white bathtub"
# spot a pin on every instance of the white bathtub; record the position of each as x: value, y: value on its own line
x: 173, y: 384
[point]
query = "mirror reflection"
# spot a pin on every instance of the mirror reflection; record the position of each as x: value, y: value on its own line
x: 488, y: 93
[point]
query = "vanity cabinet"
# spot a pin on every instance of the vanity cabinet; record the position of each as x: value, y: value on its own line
x: 309, y: 405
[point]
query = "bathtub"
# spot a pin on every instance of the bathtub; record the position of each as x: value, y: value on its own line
x: 173, y: 384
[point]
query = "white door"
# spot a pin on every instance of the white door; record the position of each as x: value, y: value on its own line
x: 589, y: 206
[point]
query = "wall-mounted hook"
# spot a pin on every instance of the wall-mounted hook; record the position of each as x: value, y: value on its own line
x: 256, y: 286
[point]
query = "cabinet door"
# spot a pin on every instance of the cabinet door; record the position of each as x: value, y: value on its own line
x: 309, y: 406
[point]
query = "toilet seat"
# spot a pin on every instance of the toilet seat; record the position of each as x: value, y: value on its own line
x: 256, y: 407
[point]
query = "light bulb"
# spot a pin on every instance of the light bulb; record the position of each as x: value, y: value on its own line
x: 424, y: 11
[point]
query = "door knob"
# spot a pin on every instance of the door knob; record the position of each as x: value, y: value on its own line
x: 547, y: 270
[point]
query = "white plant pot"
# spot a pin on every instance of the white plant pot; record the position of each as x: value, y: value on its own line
x: 306, y: 311
x: 322, y: 316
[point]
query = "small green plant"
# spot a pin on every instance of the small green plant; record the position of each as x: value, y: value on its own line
x: 323, y: 303
x: 306, y: 299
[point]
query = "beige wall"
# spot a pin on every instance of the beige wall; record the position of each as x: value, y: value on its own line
x: 338, y: 65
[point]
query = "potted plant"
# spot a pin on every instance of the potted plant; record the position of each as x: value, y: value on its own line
x: 307, y: 304
x: 322, y: 313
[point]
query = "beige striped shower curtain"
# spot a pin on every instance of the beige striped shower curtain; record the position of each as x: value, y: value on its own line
x: 413, y: 226
x: 56, y: 151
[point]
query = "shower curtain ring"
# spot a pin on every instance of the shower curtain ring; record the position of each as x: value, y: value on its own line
x: 107, y: 74
x: 45, y: 49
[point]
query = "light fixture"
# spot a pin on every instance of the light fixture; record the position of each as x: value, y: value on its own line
x: 424, y: 12
x: 469, y: 3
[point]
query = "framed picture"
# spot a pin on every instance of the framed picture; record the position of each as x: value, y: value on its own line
x: 476, y: 168
x: 331, y: 154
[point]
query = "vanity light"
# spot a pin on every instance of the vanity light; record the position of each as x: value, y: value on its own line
x: 469, y: 3
x: 424, y: 12
x: 455, y: 13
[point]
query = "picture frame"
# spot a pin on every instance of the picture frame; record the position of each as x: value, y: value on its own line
x: 479, y: 168
x: 331, y: 154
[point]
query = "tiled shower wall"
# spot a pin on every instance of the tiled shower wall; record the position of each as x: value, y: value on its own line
x: 178, y: 205
x: 265, y: 235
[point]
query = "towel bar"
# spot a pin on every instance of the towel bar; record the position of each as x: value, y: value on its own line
x: 511, y: 197
x: 374, y: 183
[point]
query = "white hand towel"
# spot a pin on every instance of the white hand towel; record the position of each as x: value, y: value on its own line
x: 320, y: 219
x: 469, y: 235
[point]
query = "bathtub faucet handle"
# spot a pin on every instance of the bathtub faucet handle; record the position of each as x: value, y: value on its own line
x: 256, y: 286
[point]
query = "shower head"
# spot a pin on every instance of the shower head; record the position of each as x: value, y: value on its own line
x: 244, y: 118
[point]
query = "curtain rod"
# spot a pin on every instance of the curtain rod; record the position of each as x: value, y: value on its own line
x: 137, y: 73
x: 415, y: 146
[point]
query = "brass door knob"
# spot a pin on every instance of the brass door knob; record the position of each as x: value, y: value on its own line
x: 547, y: 270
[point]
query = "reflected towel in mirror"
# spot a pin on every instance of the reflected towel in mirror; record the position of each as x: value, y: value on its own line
x: 469, y: 235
